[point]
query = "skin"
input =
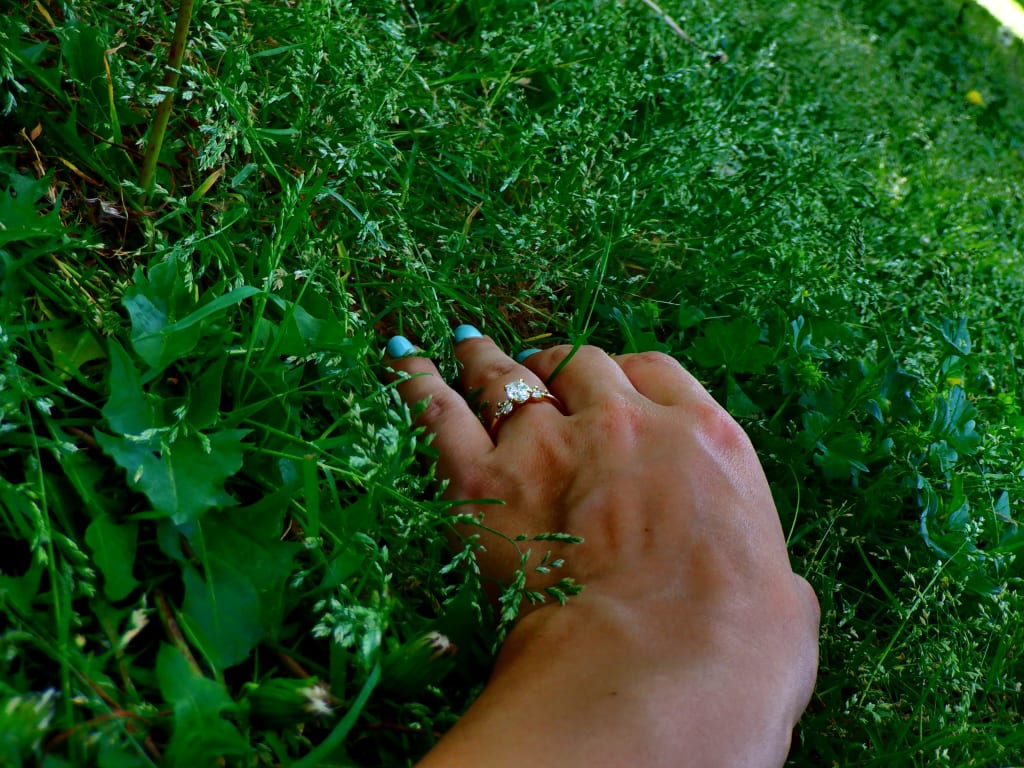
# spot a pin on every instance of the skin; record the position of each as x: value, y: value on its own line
x: 693, y: 642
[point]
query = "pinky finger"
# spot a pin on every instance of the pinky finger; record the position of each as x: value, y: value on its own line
x: 459, y: 437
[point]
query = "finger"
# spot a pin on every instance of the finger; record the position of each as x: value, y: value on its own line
x: 459, y: 437
x: 486, y: 371
x: 660, y: 378
x: 590, y: 376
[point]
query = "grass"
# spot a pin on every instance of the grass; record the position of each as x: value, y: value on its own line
x: 216, y: 518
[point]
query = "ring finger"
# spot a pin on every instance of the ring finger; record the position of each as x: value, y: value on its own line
x: 489, y: 377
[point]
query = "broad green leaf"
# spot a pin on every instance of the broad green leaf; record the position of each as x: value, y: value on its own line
x: 1012, y: 539
x: 927, y: 500
x: 149, y: 319
x: 737, y: 402
x: 343, y: 565
x: 20, y: 218
x: 82, y: 47
x: 182, y: 480
x: 734, y: 344
x: 169, y: 539
x: 298, y: 330
x: 205, y: 396
x: 1002, y: 507
x: 113, y: 547
x: 73, y: 347
x: 462, y: 617
x: 88, y: 477
x: 842, y: 456
x: 242, y: 599
x: 954, y: 333
x: 215, y: 307
x: 127, y: 411
x: 154, y: 295
x: 22, y: 590
x: 264, y: 519
x: 256, y: 553
x: 152, y: 302
x: 201, y: 736
x: 223, y: 610
x: 894, y: 397
x: 945, y: 454
x: 688, y: 316
x: 815, y: 424
x: 953, y: 421
x: 113, y: 753
x: 635, y: 324
x: 148, y: 314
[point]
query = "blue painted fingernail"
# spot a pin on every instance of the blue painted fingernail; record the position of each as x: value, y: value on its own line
x: 399, y: 346
x: 526, y: 353
x: 464, y: 332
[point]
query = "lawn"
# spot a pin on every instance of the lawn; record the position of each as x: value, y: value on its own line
x: 222, y: 543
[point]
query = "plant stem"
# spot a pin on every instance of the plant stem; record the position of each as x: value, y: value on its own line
x: 163, y: 110
x: 669, y: 20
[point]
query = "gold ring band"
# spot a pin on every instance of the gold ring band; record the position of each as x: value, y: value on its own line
x: 518, y: 394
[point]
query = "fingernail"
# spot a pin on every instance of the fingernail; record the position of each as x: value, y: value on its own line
x: 399, y: 346
x: 526, y: 353
x: 464, y: 332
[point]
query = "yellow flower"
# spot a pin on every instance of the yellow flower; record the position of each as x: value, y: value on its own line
x: 974, y: 97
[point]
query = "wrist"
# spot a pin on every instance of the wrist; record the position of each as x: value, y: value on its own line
x: 695, y: 692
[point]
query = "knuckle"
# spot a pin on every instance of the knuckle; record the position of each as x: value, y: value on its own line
x: 653, y: 365
x: 620, y: 420
x: 654, y: 359
x: 438, y: 407
x: 496, y: 370
x: 809, y: 599
x: 588, y: 352
x: 718, y: 428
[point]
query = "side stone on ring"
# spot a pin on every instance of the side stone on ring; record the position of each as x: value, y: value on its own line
x: 519, y: 393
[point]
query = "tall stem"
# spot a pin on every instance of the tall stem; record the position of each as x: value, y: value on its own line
x: 163, y: 110
x: 669, y: 20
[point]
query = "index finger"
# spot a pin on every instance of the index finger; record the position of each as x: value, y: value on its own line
x: 459, y: 436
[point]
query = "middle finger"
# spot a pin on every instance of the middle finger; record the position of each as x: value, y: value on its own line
x: 587, y: 378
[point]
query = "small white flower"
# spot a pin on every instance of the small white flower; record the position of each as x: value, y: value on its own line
x: 318, y: 700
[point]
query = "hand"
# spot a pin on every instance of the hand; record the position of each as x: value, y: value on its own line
x: 693, y: 642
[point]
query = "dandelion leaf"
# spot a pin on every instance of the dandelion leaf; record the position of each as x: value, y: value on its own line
x: 241, y: 599
x: 184, y: 479
x: 201, y: 735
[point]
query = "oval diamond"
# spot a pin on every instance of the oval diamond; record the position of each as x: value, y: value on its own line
x: 518, y: 391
